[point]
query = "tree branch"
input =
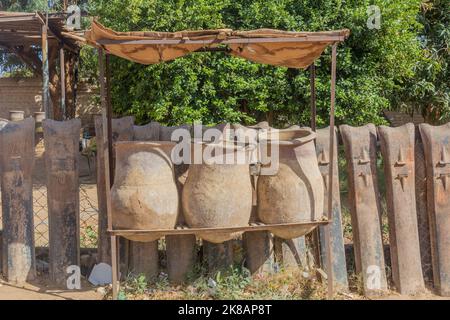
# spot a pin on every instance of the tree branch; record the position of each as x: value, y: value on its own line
x: 28, y: 56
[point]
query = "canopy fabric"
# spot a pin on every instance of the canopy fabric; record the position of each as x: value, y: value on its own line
x: 274, y: 47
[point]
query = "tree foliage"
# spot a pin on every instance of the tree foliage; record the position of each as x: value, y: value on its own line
x: 403, y: 65
x: 428, y: 92
x: 213, y: 87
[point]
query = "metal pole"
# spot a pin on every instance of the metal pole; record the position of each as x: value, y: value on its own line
x: 63, y: 82
x: 315, y: 238
x: 330, y: 177
x: 105, y: 150
x: 312, y: 84
x: 109, y: 117
x: 45, y: 72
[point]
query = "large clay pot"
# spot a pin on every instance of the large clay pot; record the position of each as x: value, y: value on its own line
x: 218, y: 195
x: 147, y: 132
x: 144, y: 195
x: 165, y: 133
x: 295, y: 192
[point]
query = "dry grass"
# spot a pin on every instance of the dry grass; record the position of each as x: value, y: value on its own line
x: 235, y: 283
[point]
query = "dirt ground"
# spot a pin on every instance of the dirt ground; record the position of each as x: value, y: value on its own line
x: 40, y: 290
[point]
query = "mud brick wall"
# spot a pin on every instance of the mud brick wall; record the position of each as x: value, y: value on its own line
x: 26, y: 94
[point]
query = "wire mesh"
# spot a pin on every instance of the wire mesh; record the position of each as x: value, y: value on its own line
x: 88, y: 216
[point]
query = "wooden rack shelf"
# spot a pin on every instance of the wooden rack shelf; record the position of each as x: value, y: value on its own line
x: 307, y: 226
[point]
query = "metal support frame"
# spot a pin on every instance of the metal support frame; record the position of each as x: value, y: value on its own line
x: 312, y: 84
x: 330, y: 175
x: 107, y: 150
x: 109, y: 117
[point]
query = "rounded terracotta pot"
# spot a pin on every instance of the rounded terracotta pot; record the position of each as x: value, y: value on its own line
x: 16, y: 115
x: 144, y: 194
x: 218, y: 195
x: 295, y: 193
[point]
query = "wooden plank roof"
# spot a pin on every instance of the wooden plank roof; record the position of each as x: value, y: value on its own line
x: 24, y: 28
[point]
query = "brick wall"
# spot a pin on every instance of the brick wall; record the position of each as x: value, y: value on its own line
x: 26, y: 94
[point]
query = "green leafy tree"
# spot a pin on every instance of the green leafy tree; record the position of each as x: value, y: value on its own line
x: 429, y: 91
x: 373, y: 64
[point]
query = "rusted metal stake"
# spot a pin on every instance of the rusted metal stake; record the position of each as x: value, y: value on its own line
x: 397, y: 147
x: 361, y: 153
x: 436, y: 141
x: 337, y: 240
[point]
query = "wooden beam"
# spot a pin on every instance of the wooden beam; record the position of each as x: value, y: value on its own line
x: 227, y: 41
x: 45, y: 74
x: 253, y: 227
x: 63, y: 82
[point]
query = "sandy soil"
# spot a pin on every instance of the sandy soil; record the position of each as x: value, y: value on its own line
x: 40, y: 290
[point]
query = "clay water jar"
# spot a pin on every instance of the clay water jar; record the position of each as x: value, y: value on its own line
x: 144, y: 195
x: 218, y: 195
x: 295, y: 193
x: 16, y: 115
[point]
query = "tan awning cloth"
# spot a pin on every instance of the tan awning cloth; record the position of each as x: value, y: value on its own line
x: 274, y: 47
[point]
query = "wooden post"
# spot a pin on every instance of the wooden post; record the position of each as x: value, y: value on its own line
x: 218, y: 256
x: 144, y: 259
x: 45, y: 72
x: 181, y: 254
x: 63, y: 196
x: 63, y: 82
x: 17, y: 160
x: 259, y: 253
